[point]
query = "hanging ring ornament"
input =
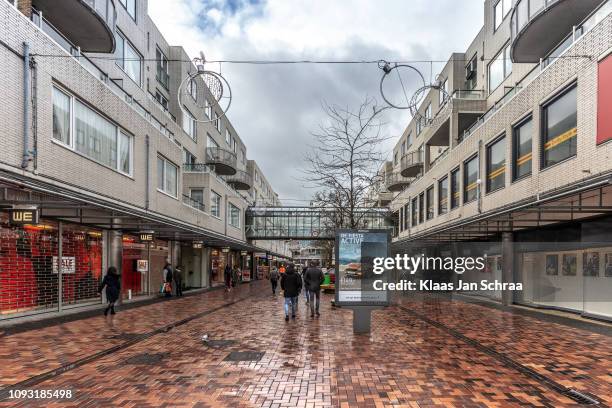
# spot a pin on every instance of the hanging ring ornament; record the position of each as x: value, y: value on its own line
x: 394, y: 69
x: 217, y: 94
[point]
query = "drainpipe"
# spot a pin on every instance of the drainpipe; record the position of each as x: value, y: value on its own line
x: 147, y: 171
x: 26, y: 105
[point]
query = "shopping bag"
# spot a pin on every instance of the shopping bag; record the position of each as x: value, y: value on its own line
x: 168, y: 288
x: 161, y: 288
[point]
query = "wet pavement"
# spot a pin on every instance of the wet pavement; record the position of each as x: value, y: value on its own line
x: 432, y: 353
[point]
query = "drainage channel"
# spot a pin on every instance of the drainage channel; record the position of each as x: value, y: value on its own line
x: 579, y: 397
x: 37, y: 379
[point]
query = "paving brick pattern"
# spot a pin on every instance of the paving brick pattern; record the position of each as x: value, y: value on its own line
x: 313, y: 362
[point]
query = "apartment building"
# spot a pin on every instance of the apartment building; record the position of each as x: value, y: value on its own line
x: 100, y: 166
x: 516, y: 153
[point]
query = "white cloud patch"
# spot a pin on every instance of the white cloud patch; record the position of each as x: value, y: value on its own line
x: 276, y: 106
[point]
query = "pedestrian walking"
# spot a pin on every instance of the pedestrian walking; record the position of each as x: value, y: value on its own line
x: 304, y: 269
x: 167, y: 279
x: 112, y: 282
x: 178, y: 280
x: 291, y: 283
x: 312, y: 280
x: 236, y: 275
x: 274, y: 275
x: 227, y: 276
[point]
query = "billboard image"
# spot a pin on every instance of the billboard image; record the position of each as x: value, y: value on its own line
x: 355, y: 252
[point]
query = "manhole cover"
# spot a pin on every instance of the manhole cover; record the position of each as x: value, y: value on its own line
x: 145, y: 359
x: 244, y: 356
x: 219, y: 344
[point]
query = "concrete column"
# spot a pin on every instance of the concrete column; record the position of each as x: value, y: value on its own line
x: 507, y: 251
x: 115, y: 250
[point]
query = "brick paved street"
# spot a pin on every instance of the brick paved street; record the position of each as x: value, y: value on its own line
x: 415, y: 357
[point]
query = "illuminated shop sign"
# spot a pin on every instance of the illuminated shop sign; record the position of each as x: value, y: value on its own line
x: 142, y: 265
x: 22, y: 216
x: 198, y: 245
x: 146, y: 236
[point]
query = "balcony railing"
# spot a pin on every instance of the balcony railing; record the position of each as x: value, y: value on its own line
x: 396, y: 182
x: 412, y: 163
x: 198, y: 205
x: 241, y: 180
x: 196, y: 168
x: 223, y: 160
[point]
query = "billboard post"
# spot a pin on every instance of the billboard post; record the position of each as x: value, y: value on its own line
x: 355, y: 253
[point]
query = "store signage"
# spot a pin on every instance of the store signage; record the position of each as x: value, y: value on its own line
x: 225, y: 250
x: 243, y: 253
x: 246, y: 275
x: 142, y: 265
x: 22, y: 216
x: 355, y: 253
x: 198, y: 245
x: 68, y: 264
x: 146, y: 236
x: 259, y: 254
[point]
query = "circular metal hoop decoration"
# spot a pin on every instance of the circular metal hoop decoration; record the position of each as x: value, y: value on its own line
x: 394, y: 70
x: 220, y: 98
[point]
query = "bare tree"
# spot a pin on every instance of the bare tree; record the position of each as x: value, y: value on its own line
x: 343, y: 164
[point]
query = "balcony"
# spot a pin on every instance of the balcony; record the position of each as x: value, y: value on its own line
x: 198, y: 205
x: 88, y: 24
x: 241, y: 180
x: 412, y: 164
x: 384, y: 198
x: 223, y: 160
x: 537, y: 26
x: 396, y: 182
x: 464, y: 107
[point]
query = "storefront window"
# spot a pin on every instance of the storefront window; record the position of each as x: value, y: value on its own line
x: 496, y: 164
x: 559, y: 128
x: 522, y: 149
x: 455, y: 188
x: 470, y: 177
x: 430, y: 203
x: 81, y: 264
x: 443, y: 196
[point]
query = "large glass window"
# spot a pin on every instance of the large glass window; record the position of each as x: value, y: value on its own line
x: 234, y: 215
x: 188, y: 157
x: 559, y: 127
x: 197, y: 198
x: 128, y: 58
x: 167, y: 176
x: 210, y: 142
x: 96, y: 137
x: 125, y: 153
x: 443, y: 196
x: 455, y: 188
x: 61, y: 116
x: 415, y: 214
x: 500, y: 68
x: 496, y: 165
x: 470, y: 178
x: 162, y: 68
x: 130, y: 6
x: 215, y: 204
x: 502, y: 8
x: 430, y: 202
x: 521, y: 151
x: 421, y: 207
x: 443, y: 93
x: 406, y: 216
x: 192, y: 89
x: 189, y: 124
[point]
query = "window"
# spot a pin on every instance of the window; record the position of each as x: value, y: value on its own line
x: 167, y: 176
x: 128, y: 59
x: 162, y: 68
x: 215, y: 204
x: 243, y: 156
x: 430, y: 202
x: 130, y: 6
x: 501, y: 9
x: 61, y: 116
x: 197, y: 198
x: 521, y: 150
x: 228, y: 137
x: 208, y: 110
x: 559, y: 128
x: 395, y: 158
x: 403, y: 148
x: 471, y: 73
x: 455, y: 186
x: 161, y: 99
x: 419, y: 126
x: 234, y: 216
x: 188, y: 157
x: 95, y: 136
x: 189, y: 124
x: 496, y: 165
x: 406, y: 215
x: 470, y: 178
x: 210, y: 142
x: 234, y: 145
x: 500, y: 68
x: 421, y: 208
x: 415, y: 219
x: 192, y: 89
x: 217, y: 122
x: 443, y: 196
x: 443, y: 93
x: 409, y: 140
x: 428, y: 114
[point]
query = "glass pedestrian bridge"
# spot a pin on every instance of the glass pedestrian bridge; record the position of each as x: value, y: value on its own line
x: 308, y: 223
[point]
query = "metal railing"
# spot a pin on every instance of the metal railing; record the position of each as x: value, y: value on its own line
x: 198, y: 205
x: 217, y: 155
x: 196, y: 168
x: 412, y: 159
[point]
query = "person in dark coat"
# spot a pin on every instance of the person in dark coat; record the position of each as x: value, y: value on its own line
x: 313, y: 278
x: 291, y: 283
x: 178, y: 280
x: 112, y: 281
x: 227, y: 276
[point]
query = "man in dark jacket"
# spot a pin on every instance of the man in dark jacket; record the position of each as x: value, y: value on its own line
x: 313, y: 278
x: 291, y: 283
x: 112, y: 282
x: 178, y: 280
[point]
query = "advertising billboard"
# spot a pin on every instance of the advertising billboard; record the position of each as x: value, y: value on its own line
x: 355, y: 253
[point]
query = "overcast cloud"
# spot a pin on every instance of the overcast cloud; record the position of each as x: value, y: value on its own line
x: 275, y: 107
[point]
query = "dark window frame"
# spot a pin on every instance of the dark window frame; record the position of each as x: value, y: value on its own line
x: 544, y: 125
x: 465, y: 176
x: 443, y: 179
x: 498, y: 139
x: 515, y: 147
x: 455, y: 171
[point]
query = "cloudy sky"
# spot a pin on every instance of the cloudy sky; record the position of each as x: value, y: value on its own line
x: 275, y: 107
